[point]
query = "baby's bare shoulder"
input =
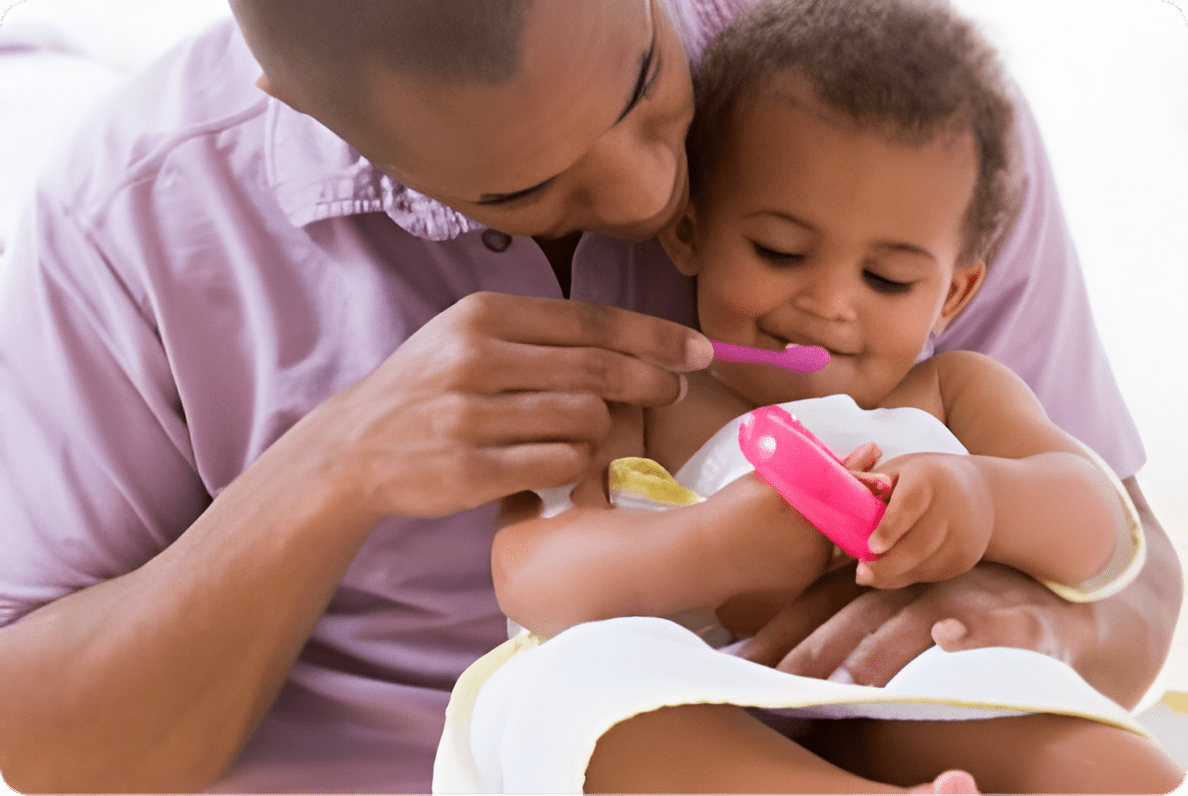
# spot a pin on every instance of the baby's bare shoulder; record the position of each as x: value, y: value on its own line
x: 674, y: 433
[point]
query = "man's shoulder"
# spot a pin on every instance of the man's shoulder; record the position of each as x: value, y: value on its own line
x: 202, y: 89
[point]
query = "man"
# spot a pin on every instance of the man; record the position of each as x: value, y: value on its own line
x: 259, y: 388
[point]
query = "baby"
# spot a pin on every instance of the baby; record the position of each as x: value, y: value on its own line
x: 851, y: 167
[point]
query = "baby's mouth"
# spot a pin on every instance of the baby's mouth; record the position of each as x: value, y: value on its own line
x: 833, y: 352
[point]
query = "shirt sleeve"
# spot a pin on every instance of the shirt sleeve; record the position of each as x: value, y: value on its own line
x: 96, y: 470
x: 1033, y: 315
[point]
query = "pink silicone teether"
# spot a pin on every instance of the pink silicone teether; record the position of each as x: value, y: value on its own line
x: 803, y: 358
x: 811, y: 478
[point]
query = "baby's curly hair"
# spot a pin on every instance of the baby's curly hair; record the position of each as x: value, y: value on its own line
x: 911, y: 69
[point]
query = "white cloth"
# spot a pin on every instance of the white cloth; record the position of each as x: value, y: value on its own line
x: 525, y: 718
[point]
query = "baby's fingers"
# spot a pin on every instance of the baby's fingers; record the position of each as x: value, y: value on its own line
x: 902, y: 565
x: 863, y: 457
x: 907, y: 506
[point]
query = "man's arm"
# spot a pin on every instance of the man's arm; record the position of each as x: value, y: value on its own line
x: 154, y: 678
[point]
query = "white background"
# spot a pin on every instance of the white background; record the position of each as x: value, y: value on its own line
x: 1107, y: 79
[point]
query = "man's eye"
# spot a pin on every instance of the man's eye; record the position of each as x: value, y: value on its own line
x: 884, y: 285
x: 652, y: 81
x: 776, y: 257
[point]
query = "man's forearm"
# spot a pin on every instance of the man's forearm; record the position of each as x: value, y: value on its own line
x: 154, y: 680
x: 1134, y: 628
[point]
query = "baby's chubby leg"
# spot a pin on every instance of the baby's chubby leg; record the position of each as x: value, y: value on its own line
x: 1040, y: 753
x: 723, y: 749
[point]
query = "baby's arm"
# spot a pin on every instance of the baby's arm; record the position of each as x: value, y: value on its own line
x: 594, y: 561
x: 1028, y: 495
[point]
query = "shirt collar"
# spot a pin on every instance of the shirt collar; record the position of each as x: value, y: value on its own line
x: 316, y: 175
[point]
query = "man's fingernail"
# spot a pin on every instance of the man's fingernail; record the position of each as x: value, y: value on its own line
x: 684, y: 382
x: 699, y: 352
x: 841, y: 675
x: 876, y: 545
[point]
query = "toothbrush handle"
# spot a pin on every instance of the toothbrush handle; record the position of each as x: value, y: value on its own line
x: 809, y: 476
x: 802, y: 358
x: 729, y: 352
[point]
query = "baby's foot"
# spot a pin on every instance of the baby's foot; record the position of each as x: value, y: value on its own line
x: 953, y: 781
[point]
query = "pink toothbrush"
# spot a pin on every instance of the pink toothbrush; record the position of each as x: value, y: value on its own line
x: 803, y: 358
x: 811, y: 478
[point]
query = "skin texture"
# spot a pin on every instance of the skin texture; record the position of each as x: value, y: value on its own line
x: 558, y: 120
x: 154, y: 680
x: 799, y: 239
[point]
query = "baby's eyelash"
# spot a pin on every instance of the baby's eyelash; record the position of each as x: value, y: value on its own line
x: 773, y: 256
x: 884, y: 285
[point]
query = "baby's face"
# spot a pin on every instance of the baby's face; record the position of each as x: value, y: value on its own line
x: 813, y: 232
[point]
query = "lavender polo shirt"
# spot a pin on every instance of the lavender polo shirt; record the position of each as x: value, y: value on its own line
x: 205, y: 266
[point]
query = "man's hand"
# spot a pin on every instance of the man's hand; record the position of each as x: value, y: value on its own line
x: 878, y: 632
x: 839, y: 630
x: 495, y: 395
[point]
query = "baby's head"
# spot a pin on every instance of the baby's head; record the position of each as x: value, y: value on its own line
x: 851, y: 165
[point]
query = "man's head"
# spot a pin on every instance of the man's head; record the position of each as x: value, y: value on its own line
x: 537, y: 117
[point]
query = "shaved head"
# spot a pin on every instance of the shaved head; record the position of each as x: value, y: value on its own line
x: 322, y: 54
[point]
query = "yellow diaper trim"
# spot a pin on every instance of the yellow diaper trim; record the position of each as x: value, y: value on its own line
x: 1176, y: 701
x: 640, y: 478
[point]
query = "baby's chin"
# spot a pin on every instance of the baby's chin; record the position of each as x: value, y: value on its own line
x: 764, y: 386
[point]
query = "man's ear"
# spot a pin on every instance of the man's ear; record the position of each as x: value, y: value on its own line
x: 967, y: 281
x: 679, y: 241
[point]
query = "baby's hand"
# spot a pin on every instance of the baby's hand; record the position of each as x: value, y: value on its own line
x: 937, y: 524
x: 860, y: 461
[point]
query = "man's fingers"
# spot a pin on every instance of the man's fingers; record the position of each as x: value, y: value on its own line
x: 609, y: 374
x: 827, y: 647
x: 1017, y: 626
x: 556, y: 322
x: 496, y: 472
x: 801, y: 617
x: 524, y: 417
x: 881, y: 655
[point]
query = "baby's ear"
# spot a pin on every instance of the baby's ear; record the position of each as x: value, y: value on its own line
x: 679, y: 240
x: 967, y: 281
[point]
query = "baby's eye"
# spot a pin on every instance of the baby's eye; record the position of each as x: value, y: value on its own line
x: 884, y: 285
x: 776, y: 257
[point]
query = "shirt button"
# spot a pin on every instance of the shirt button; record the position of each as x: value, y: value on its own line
x: 495, y: 240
